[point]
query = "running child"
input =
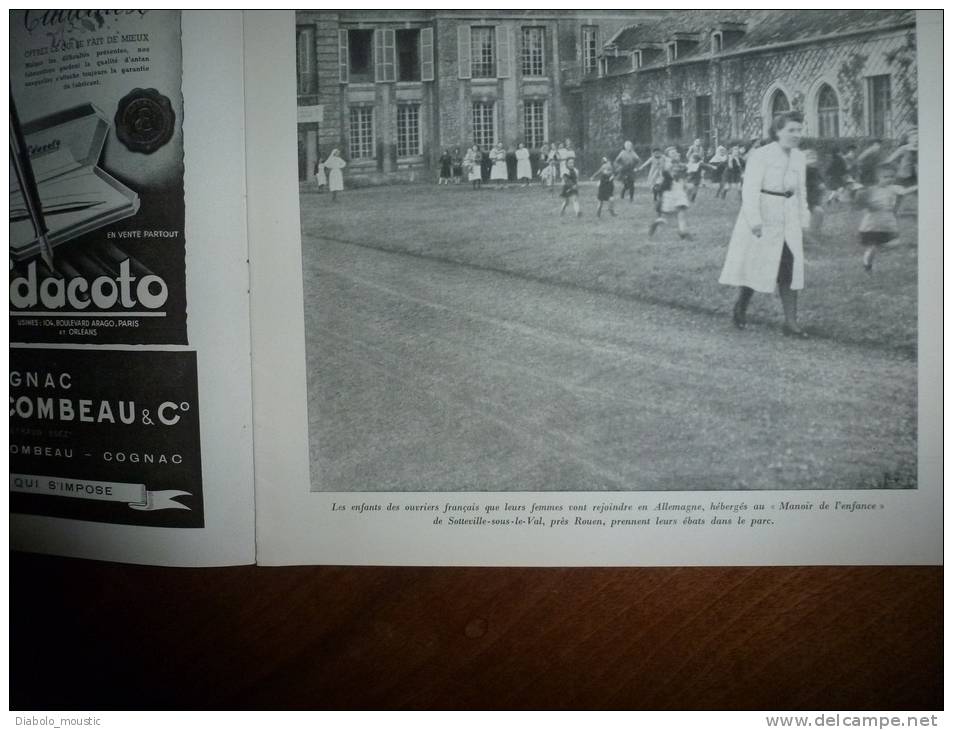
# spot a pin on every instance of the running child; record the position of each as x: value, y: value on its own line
x: 606, y: 193
x: 656, y: 164
x: 878, y: 227
x: 570, y: 190
x: 693, y: 175
x: 674, y: 196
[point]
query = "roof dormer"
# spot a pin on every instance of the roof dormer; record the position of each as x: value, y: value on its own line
x: 680, y: 44
x: 724, y: 35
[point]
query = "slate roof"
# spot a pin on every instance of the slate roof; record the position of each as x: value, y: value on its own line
x: 762, y: 27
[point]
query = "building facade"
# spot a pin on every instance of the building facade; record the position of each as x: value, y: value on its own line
x: 722, y: 76
x: 392, y: 89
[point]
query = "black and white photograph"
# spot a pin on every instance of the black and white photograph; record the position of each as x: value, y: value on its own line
x: 609, y: 250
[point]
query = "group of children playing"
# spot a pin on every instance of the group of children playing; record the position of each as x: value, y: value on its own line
x: 867, y: 180
x: 875, y: 185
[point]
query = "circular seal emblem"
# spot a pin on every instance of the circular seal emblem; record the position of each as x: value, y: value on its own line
x: 144, y: 120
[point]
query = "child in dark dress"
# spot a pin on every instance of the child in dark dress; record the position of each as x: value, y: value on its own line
x: 456, y: 165
x: 693, y: 175
x: 446, y: 162
x: 878, y: 227
x: 606, y: 193
x: 570, y: 190
x: 731, y: 177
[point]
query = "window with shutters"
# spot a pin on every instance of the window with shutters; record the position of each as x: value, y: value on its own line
x: 736, y: 114
x: 307, y: 65
x: 408, y: 130
x: 703, y: 119
x: 533, y: 51
x: 590, y: 48
x: 878, y: 105
x: 408, y: 54
x: 385, y: 55
x: 426, y: 54
x: 828, y: 112
x: 534, y: 123
x: 482, y: 52
x: 484, y: 124
x: 674, y: 121
x: 361, y: 133
x: 360, y: 50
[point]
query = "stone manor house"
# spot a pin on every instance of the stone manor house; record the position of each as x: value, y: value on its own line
x: 392, y: 89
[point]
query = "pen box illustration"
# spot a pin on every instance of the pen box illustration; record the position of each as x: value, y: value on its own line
x: 76, y: 195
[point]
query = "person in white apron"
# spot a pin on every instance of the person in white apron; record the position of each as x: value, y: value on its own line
x: 334, y: 164
x: 766, y: 245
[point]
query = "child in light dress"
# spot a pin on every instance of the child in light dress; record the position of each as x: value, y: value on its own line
x: 472, y: 161
x: 878, y: 227
x: 498, y: 158
x: 674, y: 195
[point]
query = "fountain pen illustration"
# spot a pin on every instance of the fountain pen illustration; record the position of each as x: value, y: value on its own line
x: 20, y: 154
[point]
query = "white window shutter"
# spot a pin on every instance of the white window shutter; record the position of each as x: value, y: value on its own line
x: 502, y: 51
x: 426, y: 54
x: 463, y: 51
x: 390, y: 55
x: 343, y: 55
x: 378, y: 55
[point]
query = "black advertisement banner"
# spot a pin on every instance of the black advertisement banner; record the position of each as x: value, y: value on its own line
x: 106, y: 436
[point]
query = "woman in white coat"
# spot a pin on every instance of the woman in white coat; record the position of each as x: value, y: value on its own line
x: 334, y: 164
x: 766, y: 244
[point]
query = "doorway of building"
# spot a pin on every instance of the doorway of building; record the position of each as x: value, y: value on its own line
x: 637, y: 124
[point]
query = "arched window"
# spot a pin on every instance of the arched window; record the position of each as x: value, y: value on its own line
x: 779, y: 103
x: 828, y: 112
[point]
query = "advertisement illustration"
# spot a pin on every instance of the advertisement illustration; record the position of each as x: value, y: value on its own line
x: 106, y: 435
x: 97, y: 213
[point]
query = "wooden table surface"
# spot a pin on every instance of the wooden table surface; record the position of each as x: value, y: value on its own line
x: 87, y: 635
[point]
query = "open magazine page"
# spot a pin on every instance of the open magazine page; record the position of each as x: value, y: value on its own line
x: 595, y: 287
x: 130, y: 433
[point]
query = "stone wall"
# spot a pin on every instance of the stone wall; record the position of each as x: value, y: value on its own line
x: 798, y: 72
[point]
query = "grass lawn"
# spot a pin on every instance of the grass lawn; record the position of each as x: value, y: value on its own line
x: 627, y: 375
x: 519, y: 230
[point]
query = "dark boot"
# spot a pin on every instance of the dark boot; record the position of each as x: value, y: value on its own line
x: 789, y: 303
x: 740, y: 312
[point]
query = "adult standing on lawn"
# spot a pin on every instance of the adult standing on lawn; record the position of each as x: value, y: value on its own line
x: 766, y: 245
x: 524, y: 169
x: 334, y: 164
